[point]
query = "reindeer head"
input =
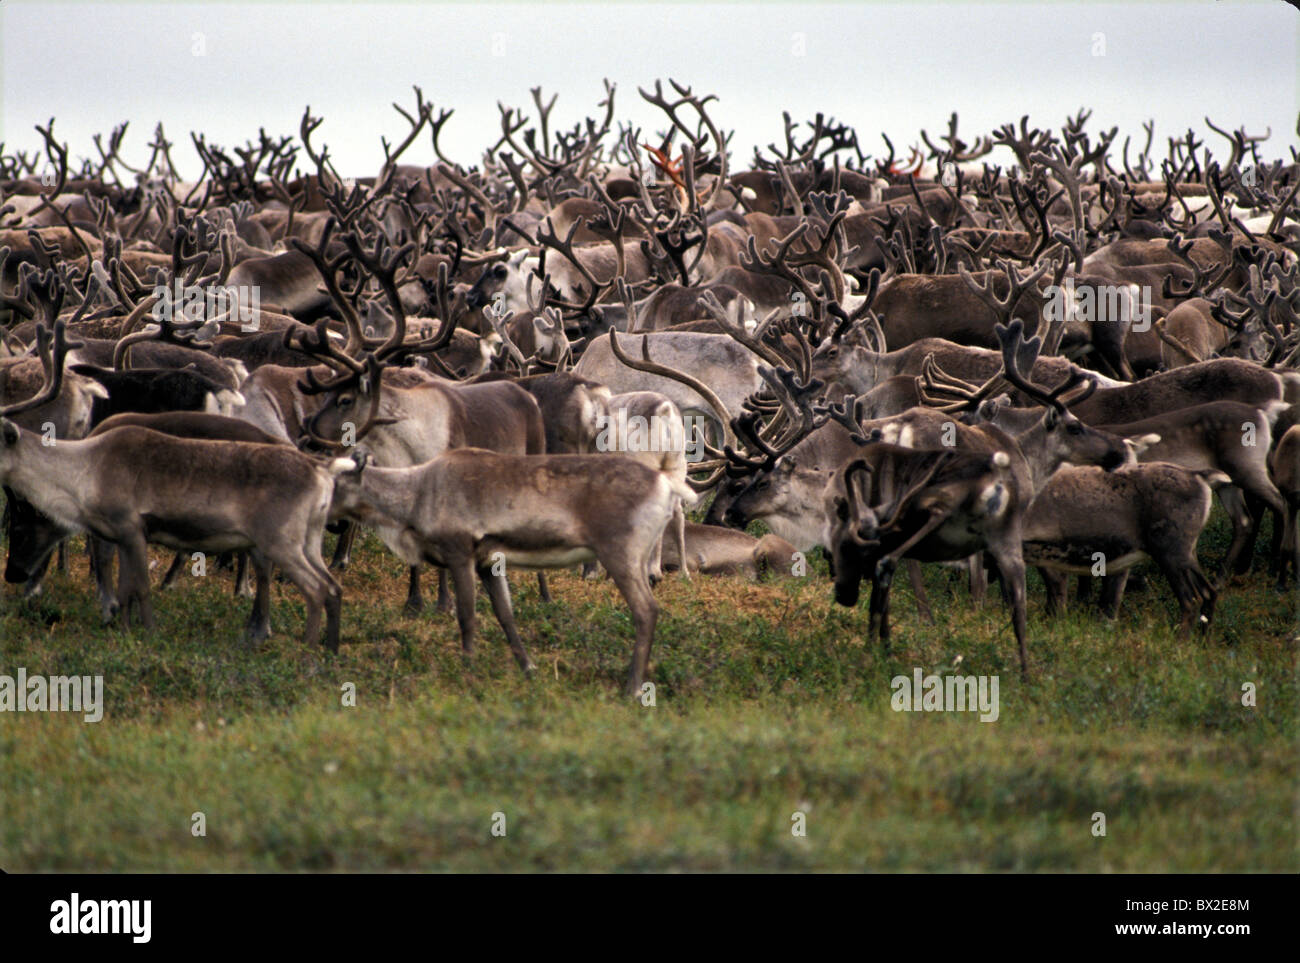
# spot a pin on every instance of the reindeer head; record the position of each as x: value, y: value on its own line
x: 52, y: 346
x: 508, y: 278
x: 852, y: 529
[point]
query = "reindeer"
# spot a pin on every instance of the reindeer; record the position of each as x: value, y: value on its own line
x: 659, y: 440
x: 32, y: 536
x: 717, y: 360
x: 414, y: 414
x: 1136, y: 512
x: 133, y: 486
x: 64, y: 414
x: 710, y: 550
x: 1284, y: 462
x: 1227, y: 436
x: 946, y: 503
x: 468, y: 510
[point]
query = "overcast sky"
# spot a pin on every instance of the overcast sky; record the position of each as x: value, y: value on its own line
x: 228, y: 69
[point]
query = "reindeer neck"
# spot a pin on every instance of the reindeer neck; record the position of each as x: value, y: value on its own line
x: 386, y: 494
x: 1033, y: 445
x: 52, y: 477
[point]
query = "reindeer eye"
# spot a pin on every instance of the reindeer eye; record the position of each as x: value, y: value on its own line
x: 344, y: 401
x: 499, y: 271
x: 1074, y: 428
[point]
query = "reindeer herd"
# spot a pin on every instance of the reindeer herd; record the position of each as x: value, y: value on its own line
x: 1057, y: 364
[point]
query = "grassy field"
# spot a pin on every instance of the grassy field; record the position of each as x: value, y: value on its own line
x: 767, y: 704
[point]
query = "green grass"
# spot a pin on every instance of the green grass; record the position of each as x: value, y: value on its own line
x: 767, y: 703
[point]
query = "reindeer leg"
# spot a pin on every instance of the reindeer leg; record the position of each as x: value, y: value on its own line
x: 1058, y: 587
x: 1083, y: 589
x: 679, y: 530
x: 877, y: 608
x: 243, y: 580
x: 415, y: 601
x: 1255, y: 504
x: 979, y: 579
x: 259, y: 617
x: 343, y: 548
x: 173, y: 571
x: 125, y: 589
x: 133, y: 581
x: 1112, y: 594
x: 498, y: 590
x: 1275, y: 545
x: 333, y: 609
x: 543, y: 587
x: 1261, y: 495
x: 1234, y: 501
x: 103, y: 556
x: 913, y: 569
x: 63, y: 566
x: 629, y: 575
x: 885, y: 627
x: 462, y: 579
x: 654, y: 567
x: 314, y: 584
x: 1006, y: 551
x: 32, y: 587
x: 444, y: 600
x: 1209, y: 596
x: 1192, y: 589
x: 1289, y: 550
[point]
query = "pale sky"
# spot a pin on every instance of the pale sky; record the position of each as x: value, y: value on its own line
x: 228, y: 69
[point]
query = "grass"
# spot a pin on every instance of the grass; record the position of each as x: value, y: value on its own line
x: 767, y: 703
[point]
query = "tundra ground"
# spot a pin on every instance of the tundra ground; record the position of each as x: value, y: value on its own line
x: 767, y: 705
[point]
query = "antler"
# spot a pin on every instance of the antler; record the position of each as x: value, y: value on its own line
x: 1018, y: 356
x: 52, y: 346
x: 546, y: 237
x: 370, y: 378
x: 933, y: 384
x: 687, y: 97
x: 651, y: 367
x: 1017, y: 285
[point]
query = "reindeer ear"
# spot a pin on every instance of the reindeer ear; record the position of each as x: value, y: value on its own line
x: 1141, y: 443
x: 9, y: 431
